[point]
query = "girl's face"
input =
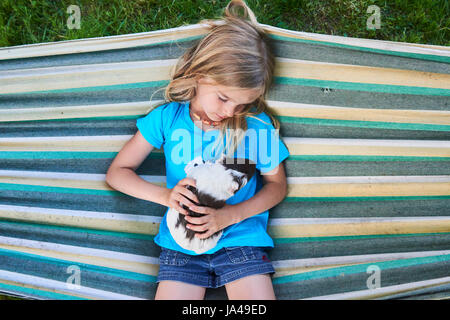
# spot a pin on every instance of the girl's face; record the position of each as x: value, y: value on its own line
x: 217, y: 102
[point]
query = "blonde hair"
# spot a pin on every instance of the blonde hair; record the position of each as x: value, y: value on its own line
x: 236, y: 52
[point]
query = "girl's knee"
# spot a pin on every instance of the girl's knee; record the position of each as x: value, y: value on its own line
x: 176, y: 290
x: 255, y: 287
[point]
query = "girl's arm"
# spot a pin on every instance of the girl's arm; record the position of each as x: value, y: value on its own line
x: 122, y: 177
x: 274, y: 190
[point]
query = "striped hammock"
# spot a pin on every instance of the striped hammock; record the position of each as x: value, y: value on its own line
x: 367, y: 124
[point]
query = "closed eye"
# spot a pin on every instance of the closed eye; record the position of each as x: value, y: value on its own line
x: 221, y: 99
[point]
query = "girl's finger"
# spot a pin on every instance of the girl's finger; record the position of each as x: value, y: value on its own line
x: 197, y: 220
x: 190, y: 195
x: 180, y: 209
x: 197, y: 228
x: 181, y: 200
x: 205, y: 235
x: 199, y: 209
x: 177, y: 205
x: 186, y: 181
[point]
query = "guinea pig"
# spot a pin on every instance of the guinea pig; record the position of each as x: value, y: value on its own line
x: 216, y: 181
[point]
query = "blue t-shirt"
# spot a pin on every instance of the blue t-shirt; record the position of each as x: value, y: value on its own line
x: 170, y: 126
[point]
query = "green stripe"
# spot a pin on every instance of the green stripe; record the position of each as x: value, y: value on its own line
x: 25, y: 187
x: 360, y: 237
x: 170, y: 42
x: 419, y: 56
x: 160, y: 155
x: 365, y: 124
x: 289, y: 119
x: 90, y: 267
x: 56, y: 155
x: 136, y: 85
x: 82, y: 230
x: 334, y: 158
x: 66, y: 155
x: 340, y: 271
x: 115, y: 118
x: 383, y: 198
x: 36, y: 292
x: 371, y: 87
x: 279, y: 80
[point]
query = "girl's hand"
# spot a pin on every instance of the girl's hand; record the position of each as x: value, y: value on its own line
x: 214, y: 220
x: 180, y: 195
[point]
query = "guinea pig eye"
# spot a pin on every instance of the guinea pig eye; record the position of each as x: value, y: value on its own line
x: 203, y: 161
x: 196, y: 164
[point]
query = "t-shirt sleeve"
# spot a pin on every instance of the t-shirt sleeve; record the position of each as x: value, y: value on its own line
x: 271, y: 149
x: 152, y: 127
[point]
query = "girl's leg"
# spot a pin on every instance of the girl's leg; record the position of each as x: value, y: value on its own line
x: 176, y: 290
x: 256, y: 287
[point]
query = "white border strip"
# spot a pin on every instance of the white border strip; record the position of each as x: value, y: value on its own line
x: 290, y: 180
x: 289, y: 140
x: 82, y: 214
x: 367, y: 294
x: 366, y: 258
x: 370, y: 142
x: 275, y: 104
x: 304, y: 221
x: 75, y: 250
x: 67, y: 138
x: 129, y: 40
x: 368, y: 179
x: 73, y: 70
x: 66, y: 288
x: 70, y: 176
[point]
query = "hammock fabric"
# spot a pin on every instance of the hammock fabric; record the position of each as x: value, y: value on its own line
x: 367, y: 124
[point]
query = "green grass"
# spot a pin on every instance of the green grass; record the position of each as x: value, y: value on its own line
x: 416, y: 21
x: 2, y: 297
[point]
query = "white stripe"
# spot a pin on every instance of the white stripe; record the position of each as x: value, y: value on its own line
x: 17, y: 114
x: 290, y: 180
x: 391, y: 46
x: 295, y: 105
x: 131, y: 40
x: 92, y: 44
x: 366, y: 294
x: 70, y: 176
x: 94, y: 107
x: 370, y: 142
x: 66, y: 288
x: 368, y: 179
x: 367, y: 258
x: 300, y: 221
x: 82, y: 214
x: 67, y: 138
x: 41, y: 245
x: 289, y: 140
x: 87, y: 68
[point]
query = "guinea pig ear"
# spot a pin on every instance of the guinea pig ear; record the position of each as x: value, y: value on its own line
x: 243, y: 181
x: 221, y: 159
x: 233, y: 188
x: 238, y: 184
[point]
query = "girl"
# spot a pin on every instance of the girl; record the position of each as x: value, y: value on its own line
x: 216, y: 93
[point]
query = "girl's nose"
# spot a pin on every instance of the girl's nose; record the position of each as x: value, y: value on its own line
x: 228, y: 114
x: 229, y: 111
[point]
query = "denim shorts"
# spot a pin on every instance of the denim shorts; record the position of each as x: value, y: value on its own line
x: 213, y: 270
